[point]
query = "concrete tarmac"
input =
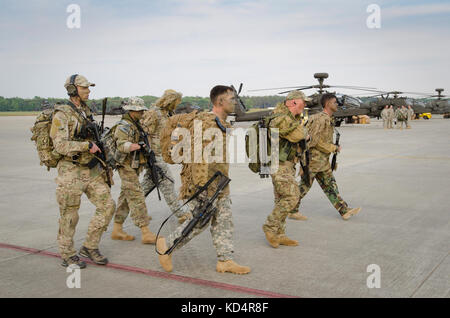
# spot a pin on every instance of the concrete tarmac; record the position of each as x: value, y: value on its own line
x: 400, y: 178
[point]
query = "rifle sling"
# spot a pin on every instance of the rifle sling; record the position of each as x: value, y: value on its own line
x: 195, y: 195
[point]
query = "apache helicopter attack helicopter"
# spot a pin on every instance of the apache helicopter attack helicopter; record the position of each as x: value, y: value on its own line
x: 383, y: 99
x: 439, y: 105
x: 349, y: 105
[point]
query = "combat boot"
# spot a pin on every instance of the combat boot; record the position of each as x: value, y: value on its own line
x: 119, y: 234
x: 231, y: 267
x: 147, y: 236
x: 272, y: 238
x: 298, y: 216
x: 284, y: 240
x: 94, y: 255
x: 164, y: 260
x: 347, y: 215
x: 73, y: 260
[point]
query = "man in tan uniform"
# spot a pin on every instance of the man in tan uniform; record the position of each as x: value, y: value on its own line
x: 390, y: 117
x: 320, y: 128
x: 130, y: 163
x: 286, y: 118
x: 384, y: 116
x: 196, y: 174
x: 72, y: 140
x: 410, y: 116
x: 402, y: 117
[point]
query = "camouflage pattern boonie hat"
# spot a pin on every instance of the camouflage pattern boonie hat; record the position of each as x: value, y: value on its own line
x: 134, y: 104
x: 298, y: 95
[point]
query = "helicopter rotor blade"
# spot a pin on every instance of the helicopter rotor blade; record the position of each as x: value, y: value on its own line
x: 275, y: 88
x: 359, y: 89
x: 298, y: 89
x: 414, y: 93
x: 351, y: 86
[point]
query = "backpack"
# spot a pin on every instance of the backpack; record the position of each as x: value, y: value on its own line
x: 110, y: 146
x: 42, y: 140
x: 176, y: 121
x: 256, y: 166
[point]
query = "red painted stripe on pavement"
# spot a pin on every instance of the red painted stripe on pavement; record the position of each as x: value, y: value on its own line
x: 152, y: 273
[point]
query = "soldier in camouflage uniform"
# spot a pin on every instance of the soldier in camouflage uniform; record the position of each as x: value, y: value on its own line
x: 384, y: 116
x: 291, y: 131
x: 71, y: 140
x: 130, y: 163
x: 410, y: 116
x: 402, y: 117
x: 195, y: 175
x: 390, y: 117
x: 152, y: 122
x: 320, y: 128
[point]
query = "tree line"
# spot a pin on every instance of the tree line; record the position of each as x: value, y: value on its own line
x: 16, y: 104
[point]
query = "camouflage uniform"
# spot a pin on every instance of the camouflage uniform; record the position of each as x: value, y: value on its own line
x: 384, y: 116
x: 402, y: 117
x: 410, y: 112
x: 129, y: 166
x: 320, y: 127
x: 197, y: 174
x: 75, y: 178
x: 390, y: 118
x: 152, y: 122
x: 285, y: 186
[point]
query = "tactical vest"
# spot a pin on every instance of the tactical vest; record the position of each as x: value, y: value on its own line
x: 77, y: 131
x: 121, y: 158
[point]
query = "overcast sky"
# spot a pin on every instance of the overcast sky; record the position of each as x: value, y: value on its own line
x: 142, y: 47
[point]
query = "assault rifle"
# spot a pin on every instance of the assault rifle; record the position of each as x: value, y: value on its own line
x: 99, y: 157
x: 333, y: 160
x: 203, y: 212
x: 156, y: 173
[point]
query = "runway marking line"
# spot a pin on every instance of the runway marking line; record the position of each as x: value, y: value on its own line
x: 152, y: 273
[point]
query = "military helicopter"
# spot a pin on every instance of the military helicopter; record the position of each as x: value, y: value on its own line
x: 439, y: 105
x: 349, y: 105
x: 393, y: 98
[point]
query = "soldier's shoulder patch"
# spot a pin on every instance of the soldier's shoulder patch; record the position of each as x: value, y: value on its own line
x: 124, y: 126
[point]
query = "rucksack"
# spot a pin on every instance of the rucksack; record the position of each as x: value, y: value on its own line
x: 176, y: 121
x: 253, y: 153
x: 110, y: 146
x: 41, y: 137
